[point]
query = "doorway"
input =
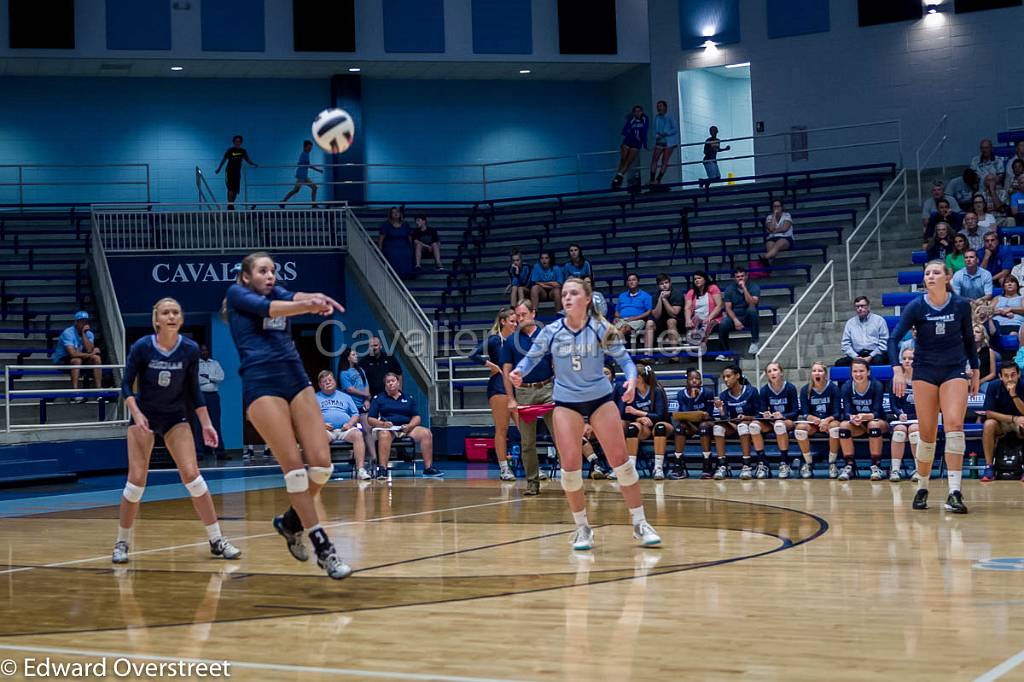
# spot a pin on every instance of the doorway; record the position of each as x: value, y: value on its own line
x: 717, y: 96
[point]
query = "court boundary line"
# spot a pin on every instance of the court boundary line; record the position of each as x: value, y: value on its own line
x: 253, y: 665
x: 1001, y: 669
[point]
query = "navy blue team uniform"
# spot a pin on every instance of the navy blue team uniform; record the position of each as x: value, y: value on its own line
x: 945, y: 339
x: 822, y: 405
x: 654, y: 403
x: 904, y: 405
x: 869, y: 402
x: 786, y: 401
x: 746, y: 404
x: 490, y: 349
x: 270, y: 365
x: 168, y: 382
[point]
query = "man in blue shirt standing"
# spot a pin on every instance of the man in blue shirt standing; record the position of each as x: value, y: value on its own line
x: 77, y: 346
x: 302, y: 169
x: 633, y: 307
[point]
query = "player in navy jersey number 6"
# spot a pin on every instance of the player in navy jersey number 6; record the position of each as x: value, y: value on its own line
x: 943, y: 350
x: 578, y: 344
x: 161, y: 389
x: 279, y: 400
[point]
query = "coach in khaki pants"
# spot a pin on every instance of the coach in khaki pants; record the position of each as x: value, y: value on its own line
x: 535, y: 390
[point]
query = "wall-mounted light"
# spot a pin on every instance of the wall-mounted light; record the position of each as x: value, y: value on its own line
x: 524, y: 72
x: 737, y: 66
x: 354, y: 69
x: 931, y: 8
x: 177, y: 68
x: 709, y: 44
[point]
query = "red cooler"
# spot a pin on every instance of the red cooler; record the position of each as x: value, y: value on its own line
x: 476, y: 449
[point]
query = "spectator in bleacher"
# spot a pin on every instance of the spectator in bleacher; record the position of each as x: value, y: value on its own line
x: 342, y: 420
x: 518, y: 278
x: 986, y: 163
x: 712, y: 146
x: 577, y: 265
x: 376, y: 364
x: 1008, y: 310
x: 998, y: 200
x: 634, y: 138
x: 954, y: 221
x: 1016, y: 202
x: 646, y: 417
x: 955, y: 259
x: 353, y: 379
x: 740, y: 300
x: 930, y: 205
x: 862, y: 415
x: 941, y: 242
x: 1015, y: 174
x: 778, y: 227
x: 395, y: 241
x: 633, y: 307
x: 987, y: 364
x: 865, y: 336
x: 703, y: 309
x: 1004, y: 413
x: 547, y: 279
x: 302, y: 169
x: 426, y: 238
x: 987, y: 222
x: 996, y: 258
x: 396, y: 415
x: 233, y: 177
x: 76, y: 347
x: 973, y: 281
x: 210, y: 375
x: 664, y: 320
x: 975, y: 236
x: 964, y: 187
x: 666, y: 137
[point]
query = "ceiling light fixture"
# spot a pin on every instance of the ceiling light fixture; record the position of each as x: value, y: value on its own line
x: 737, y: 66
x: 524, y: 71
x: 177, y: 68
x: 354, y: 69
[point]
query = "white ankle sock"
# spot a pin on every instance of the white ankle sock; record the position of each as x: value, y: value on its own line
x: 954, y: 478
x: 592, y: 456
x: 213, y: 531
x: 638, y: 515
x: 124, y: 535
x: 677, y: 455
x: 659, y: 461
x: 707, y: 455
x: 580, y: 518
x: 632, y: 460
x: 832, y: 457
x: 922, y: 482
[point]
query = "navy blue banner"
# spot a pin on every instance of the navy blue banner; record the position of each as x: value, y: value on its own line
x: 199, y: 281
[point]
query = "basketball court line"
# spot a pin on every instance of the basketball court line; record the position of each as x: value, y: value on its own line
x: 251, y: 665
x: 1001, y: 669
x: 204, y: 543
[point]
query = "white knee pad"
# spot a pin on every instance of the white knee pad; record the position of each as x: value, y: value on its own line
x: 780, y: 427
x: 833, y: 432
x: 914, y: 437
x: 320, y: 475
x: 956, y: 444
x: 743, y: 429
x: 801, y: 434
x: 626, y: 473
x: 926, y: 453
x: 197, y: 488
x: 572, y: 480
x: 132, y: 492
x: 296, y: 481
x: 718, y: 431
x: 754, y: 427
x: 899, y: 436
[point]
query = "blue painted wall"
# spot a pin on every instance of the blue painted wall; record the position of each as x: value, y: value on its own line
x: 413, y: 25
x: 797, y: 17
x: 138, y: 25
x: 502, y: 27
x: 232, y: 25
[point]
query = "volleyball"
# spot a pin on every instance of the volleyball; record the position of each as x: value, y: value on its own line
x: 334, y: 130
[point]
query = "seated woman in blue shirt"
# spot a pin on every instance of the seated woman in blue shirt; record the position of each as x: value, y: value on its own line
x: 577, y: 265
x: 547, y: 281
x: 394, y: 414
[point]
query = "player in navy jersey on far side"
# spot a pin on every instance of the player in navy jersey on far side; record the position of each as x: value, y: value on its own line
x: 820, y: 413
x: 698, y: 403
x: 738, y: 406
x: 280, y: 402
x: 161, y: 390
x: 943, y: 349
x: 780, y: 405
x: 862, y: 413
x: 646, y: 416
x: 903, y: 417
x: 488, y: 353
x: 577, y: 344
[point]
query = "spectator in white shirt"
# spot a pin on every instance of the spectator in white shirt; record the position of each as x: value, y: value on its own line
x: 987, y: 163
x: 987, y: 222
x: 866, y: 336
x: 1018, y: 155
x: 974, y: 234
x: 1014, y: 173
x: 778, y: 227
x: 210, y: 376
x: 964, y: 187
x: 929, y: 206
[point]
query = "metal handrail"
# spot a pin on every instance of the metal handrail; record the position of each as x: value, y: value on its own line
x: 22, y: 167
x: 107, y: 299
x: 201, y: 183
x: 9, y: 393
x: 794, y: 311
x: 879, y: 219
x: 941, y: 145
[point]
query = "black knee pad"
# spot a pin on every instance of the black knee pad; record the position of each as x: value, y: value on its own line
x: 660, y: 430
x: 845, y: 433
x: 875, y: 433
x: 707, y: 430
x: 632, y: 431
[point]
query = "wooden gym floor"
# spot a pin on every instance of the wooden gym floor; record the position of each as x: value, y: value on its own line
x: 466, y: 580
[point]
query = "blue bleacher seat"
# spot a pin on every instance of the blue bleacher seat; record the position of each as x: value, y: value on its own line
x: 899, y: 298
x: 910, y: 277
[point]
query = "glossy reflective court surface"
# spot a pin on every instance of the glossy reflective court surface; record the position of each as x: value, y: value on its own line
x: 466, y: 579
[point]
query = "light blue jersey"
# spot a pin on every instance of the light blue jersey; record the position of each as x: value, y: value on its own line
x: 578, y: 359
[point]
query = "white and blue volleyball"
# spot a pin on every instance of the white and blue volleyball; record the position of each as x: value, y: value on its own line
x: 334, y: 130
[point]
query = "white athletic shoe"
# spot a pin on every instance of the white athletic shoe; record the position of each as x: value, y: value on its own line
x: 745, y: 473
x: 915, y: 477
x: 844, y: 475
x: 363, y: 475
x: 720, y: 473
x: 761, y: 472
x: 507, y: 475
x: 895, y: 476
x: 583, y: 538
x: 332, y: 564
x: 646, y: 535
x: 223, y: 548
x: 833, y: 470
x: 543, y: 476
x: 752, y: 348
x: 784, y: 470
x: 659, y: 474
x: 805, y: 471
x: 876, y: 473
x: 120, y: 555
